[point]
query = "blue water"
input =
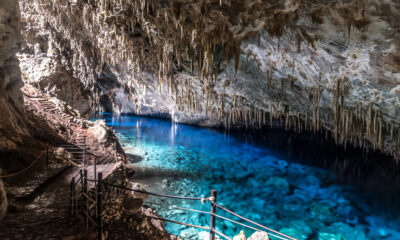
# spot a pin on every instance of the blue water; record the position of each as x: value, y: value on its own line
x: 300, y: 200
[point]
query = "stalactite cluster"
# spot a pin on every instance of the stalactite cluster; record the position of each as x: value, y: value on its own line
x: 204, y: 38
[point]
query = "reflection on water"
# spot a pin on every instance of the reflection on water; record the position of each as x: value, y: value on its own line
x: 264, y: 177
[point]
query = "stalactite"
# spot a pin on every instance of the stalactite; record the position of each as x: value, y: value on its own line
x: 237, y: 56
x: 397, y: 143
x: 391, y: 130
x: 270, y: 114
x: 369, y: 123
x: 374, y: 129
x: 306, y: 122
x: 282, y: 89
x: 286, y: 112
x: 264, y: 118
x: 381, y: 135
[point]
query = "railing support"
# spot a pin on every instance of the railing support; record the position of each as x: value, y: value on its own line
x: 95, y: 171
x: 86, y: 201
x: 72, y: 196
x: 213, y: 212
x: 99, y: 209
x: 84, y: 149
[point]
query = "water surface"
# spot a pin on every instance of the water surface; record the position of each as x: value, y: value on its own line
x: 298, y: 199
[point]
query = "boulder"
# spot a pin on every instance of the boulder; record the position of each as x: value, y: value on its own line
x: 131, y: 205
x: 3, y: 199
x: 99, y: 131
x: 61, y: 154
x: 259, y: 236
x: 130, y: 170
x: 203, y: 235
x: 241, y: 236
x: 137, y: 186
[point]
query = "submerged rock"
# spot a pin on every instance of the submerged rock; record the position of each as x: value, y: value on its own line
x: 342, y: 231
x: 299, y: 230
x: 323, y: 212
x: 276, y: 185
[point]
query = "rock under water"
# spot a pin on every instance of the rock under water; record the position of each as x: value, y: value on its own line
x: 292, y: 193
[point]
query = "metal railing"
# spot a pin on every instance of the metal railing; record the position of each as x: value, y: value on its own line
x: 82, y: 151
x: 97, y: 201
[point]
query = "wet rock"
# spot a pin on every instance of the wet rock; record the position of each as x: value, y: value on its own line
x: 189, y: 233
x: 137, y: 186
x: 99, y: 130
x: 130, y: 170
x: 240, y: 236
x: 259, y: 236
x: 62, y: 154
x: 131, y: 205
x: 206, y: 236
x: 165, y: 183
x: 3, y: 198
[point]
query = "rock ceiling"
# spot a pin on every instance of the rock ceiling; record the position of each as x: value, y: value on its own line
x: 300, y: 64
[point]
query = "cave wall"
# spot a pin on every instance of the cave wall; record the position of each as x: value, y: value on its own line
x: 12, y: 125
x: 303, y: 65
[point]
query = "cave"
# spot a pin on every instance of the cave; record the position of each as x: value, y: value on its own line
x: 200, y: 119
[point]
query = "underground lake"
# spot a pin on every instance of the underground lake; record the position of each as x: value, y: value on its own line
x: 301, y: 198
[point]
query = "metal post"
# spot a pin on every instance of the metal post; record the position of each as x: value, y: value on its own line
x: 99, y: 209
x: 84, y: 149
x: 72, y: 196
x: 85, y: 190
x: 213, y: 212
x: 81, y: 178
x: 95, y: 171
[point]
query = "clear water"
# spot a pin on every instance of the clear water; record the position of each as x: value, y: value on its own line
x: 301, y: 200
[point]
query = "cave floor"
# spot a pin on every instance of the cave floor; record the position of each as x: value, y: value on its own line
x: 46, y: 215
x: 41, y: 207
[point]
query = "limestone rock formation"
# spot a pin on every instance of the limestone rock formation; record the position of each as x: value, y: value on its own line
x: 259, y: 236
x: 11, y: 100
x: 309, y: 65
x: 3, y: 199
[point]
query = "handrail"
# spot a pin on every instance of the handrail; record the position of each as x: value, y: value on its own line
x: 23, y: 170
x: 257, y: 224
x: 148, y: 193
x: 230, y: 220
x: 275, y: 234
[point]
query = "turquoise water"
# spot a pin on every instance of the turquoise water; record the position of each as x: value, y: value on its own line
x: 301, y: 200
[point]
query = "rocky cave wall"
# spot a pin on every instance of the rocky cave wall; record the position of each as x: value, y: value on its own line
x: 303, y: 65
x: 12, y: 120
